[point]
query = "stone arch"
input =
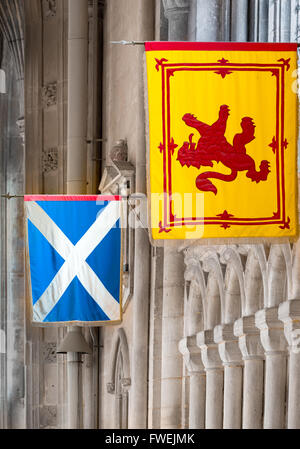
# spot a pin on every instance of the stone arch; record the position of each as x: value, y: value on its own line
x: 119, y: 378
x: 214, y: 295
x: 234, y: 301
x: 119, y: 343
x: 260, y: 253
x: 213, y: 303
x: 279, y: 274
x: 254, y: 287
x: 194, y: 303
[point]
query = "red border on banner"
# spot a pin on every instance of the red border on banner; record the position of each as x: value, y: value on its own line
x: 220, y: 46
x: 169, y: 220
x: 72, y: 197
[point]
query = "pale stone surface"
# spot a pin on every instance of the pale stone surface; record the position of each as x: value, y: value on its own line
x: 289, y: 314
x: 233, y: 374
x: 253, y: 354
x: 274, y: 343
x: 266, y: 274
x: 193, y: 361
x: 214, y: 380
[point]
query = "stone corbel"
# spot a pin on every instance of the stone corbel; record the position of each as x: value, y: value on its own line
x: 191, y: 354
x: 228, y: 345
x: 289, y: 314
x: 209, y: 350
x: 249, y: 338
x: 271, y: 330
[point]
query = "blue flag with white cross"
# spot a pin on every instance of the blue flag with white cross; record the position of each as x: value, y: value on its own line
x: 74, y: 246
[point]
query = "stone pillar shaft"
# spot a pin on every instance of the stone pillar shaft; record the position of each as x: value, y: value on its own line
x: 214, y: 380
x: 77, y: 96
x: 177, y: 14
x: 192, y: 357
x: 214, y: 399
x: 289, y: 314
x: 172, y: 329
x: 173, y: 293
x: 239, y: 20
x: 294, y: 392
x: 209, y: 20
x: 233, y: 387
x: 76, y: 156
x: 73, y: 374
x: 233, y: 375
x: 253, y: 393
x: 253, y: 387
x: 274, y: 344
x: 275, y: 379
x: 197, y: 401
x: 138, y: 395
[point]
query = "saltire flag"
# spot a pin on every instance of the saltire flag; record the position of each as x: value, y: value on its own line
x: 222, y: 160
x: 74, y: 245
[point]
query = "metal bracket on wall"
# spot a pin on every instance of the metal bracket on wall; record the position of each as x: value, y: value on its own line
x: 128, y: 42
x: 9, y: 197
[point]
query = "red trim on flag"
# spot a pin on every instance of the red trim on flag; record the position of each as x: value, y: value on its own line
x: 221, y: 46
x: 72, y: 198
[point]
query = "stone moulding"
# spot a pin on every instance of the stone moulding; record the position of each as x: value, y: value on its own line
x: 119, y: 343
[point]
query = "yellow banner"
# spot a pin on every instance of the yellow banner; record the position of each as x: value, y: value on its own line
x: 223, y: 140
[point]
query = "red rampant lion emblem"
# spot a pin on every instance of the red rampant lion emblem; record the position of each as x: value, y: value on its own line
x: 213, y: 146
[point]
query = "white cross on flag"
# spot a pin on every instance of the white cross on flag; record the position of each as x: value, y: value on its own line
x: 74, y: 247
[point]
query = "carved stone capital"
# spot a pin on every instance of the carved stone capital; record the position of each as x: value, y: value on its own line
x: 209, y: 350
x: 191, y: 354
x: 228, y: 344
x: 289, y: 314
x: 271, y: 330
x: 249, y: 338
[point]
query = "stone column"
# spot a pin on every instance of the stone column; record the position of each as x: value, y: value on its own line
x: 138, y: 396
x: 289, y: 314
x: 192, y: 358
x: 209, y: 20
x: 253, y: 355
x: 77, y: 96
x: 214, y: 379
x: 172, y: 330
x: 231, y: 357
x: 274, y: 344
x: 177, y: 13
x: 239, y: 19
